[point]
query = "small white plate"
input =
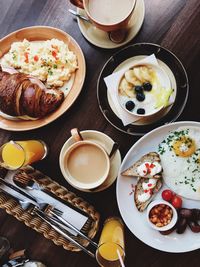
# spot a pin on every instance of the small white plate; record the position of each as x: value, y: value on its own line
x: 106, y: 142
x: 135, y: 220
x: 100, y: 38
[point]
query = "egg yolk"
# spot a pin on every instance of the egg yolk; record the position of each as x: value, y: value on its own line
x: 184, y: 147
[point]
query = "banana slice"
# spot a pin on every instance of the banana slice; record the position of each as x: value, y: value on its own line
x: 146, y: 74
x: 126, y: 88
x: 130, y: 77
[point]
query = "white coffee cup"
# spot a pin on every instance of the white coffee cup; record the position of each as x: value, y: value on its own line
x: 84, y: 164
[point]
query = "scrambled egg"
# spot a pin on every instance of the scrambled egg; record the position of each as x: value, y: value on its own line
x: 50, y: 61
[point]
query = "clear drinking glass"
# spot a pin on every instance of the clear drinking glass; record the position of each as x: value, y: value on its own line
x: 111, y: 243
x: 16, y: 154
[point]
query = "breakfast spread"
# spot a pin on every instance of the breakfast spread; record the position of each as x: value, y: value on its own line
x: 180, y: 155
x: 177, y: 162
x: 35, y: 77
x: 22, y: 96
x: 141, y: 92
x: 50, y: 61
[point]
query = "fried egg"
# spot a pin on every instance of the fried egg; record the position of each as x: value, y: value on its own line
x: 180, y: 159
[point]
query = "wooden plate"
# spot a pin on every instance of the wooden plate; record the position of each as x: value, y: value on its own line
x: 42, y: 33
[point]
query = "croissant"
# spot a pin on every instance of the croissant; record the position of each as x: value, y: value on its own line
x: 22, y: 95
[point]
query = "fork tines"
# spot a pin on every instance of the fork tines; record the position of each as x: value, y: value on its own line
x: 47, y: 208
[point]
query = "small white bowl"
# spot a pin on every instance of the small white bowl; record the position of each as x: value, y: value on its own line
x: 173, y: 220
x: 164, y: 80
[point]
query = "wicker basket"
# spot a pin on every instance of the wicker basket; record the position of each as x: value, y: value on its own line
x: 13, y: 208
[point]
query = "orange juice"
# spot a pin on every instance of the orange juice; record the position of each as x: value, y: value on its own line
x: 111, y: 240
x: 20, y: 153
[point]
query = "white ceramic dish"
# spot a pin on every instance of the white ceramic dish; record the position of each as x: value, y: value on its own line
x: 106, y: 142
x: 135, y: 220
x: 72, y: 180
x: 146, y: 120
x: 100, y: 38
x: 164, y: 82
x: 173, y: 220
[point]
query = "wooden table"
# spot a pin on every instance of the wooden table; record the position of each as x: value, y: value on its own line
x: 173, y: 24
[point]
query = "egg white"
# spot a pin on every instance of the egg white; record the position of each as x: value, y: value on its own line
x: 181, y: 174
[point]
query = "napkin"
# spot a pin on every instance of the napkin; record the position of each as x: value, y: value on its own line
x: 112, y: 81
x: 69, y: 214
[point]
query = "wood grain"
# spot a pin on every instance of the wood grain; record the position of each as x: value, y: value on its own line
x: 173, y: 24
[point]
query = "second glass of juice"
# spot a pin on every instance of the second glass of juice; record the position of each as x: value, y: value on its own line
x: 111, y: 243
x: 17, y: 154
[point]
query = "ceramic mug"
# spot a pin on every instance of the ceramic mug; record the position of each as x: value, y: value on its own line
x: 85, y: 164
x: 107, y: 15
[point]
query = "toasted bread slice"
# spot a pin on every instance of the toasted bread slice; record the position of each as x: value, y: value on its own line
x: 141, y: 206
x: 150, y: 157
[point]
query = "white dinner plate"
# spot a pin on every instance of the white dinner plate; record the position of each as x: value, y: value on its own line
x: 135, y: 220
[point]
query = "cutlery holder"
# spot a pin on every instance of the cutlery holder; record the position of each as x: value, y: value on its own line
x: 12, y: 207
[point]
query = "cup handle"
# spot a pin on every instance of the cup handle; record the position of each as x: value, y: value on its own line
x: 78, y: 3
x: 76, y: 135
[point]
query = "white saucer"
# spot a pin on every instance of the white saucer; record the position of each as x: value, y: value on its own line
x: 106, y: 142
x: 100, y: 38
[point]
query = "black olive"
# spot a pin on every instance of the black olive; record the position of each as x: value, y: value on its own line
x: 147, y: 86
x: 139, y: 89
x: 141, y: 111
x: 140, y: 97
x: 130, y: 105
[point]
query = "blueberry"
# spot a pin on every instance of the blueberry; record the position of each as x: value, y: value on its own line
x: 140, y: 97
x: 141, y: 111
x: 138, y: 89
x: 130, y: 105
x: 147, y: 86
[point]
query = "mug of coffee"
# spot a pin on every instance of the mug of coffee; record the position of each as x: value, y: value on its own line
x: 85, y: 164
x: 107, y: 15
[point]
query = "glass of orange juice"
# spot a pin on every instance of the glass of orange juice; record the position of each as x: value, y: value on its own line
x: 111, y: 243
x: 16, y: 154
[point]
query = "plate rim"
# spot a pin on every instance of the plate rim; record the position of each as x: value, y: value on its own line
x: 46, y: 122
x: 120, y: 51
x: 178, y: 123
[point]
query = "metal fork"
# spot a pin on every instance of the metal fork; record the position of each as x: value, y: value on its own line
x: 60, y: 220
x: 27, y: 182
x: 41, y: 205
x: 35, y: 211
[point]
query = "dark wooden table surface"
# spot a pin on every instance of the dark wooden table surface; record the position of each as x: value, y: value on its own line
x: 175, y: 24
